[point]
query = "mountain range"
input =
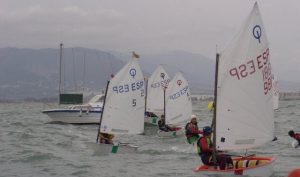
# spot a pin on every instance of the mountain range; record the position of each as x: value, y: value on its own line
x: 34, y: 73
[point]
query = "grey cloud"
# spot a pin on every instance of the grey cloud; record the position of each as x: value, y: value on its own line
x: 156, y: 25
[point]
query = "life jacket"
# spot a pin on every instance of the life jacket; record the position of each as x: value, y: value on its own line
x: 297, y: 137
x: 199, y: 145
x: 161, y: 123
x: 106, y: 135
x: 188, y: 130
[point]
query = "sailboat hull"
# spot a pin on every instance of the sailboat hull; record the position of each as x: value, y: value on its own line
x: 171, y: 134
x: 151, y: 120
x: 119, y: 148
x: 252, y: 166
x: 74, y: 116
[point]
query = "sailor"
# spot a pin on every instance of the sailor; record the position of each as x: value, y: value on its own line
x: 294, y: 135
x: 205, y: 151
x: 106, y: 138
x: 191, y: 130
x: 163, y: 126
x: 205, y: 146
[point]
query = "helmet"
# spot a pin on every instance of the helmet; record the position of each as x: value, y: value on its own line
x: 207, y: 130
x: 291, y: 133
x: 193, y: 116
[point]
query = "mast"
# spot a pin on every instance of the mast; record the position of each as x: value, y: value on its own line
x: 146, y: 90
x: 102, y: 111
x: 215, y: 112
x: 84, y: 70
x: 60, y: 71
x: 74, y: 71
x: 164, y: 85
x: 165, y: 88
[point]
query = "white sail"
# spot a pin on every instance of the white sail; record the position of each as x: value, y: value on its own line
x: 244, y: 116
x: 178, y: 101
x: 275, y: 93
x: 125, y: 103
x: 155, y: 92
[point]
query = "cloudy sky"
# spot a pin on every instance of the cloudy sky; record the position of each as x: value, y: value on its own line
x: 151, y: 26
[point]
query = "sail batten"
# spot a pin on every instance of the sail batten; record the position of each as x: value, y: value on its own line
x: 275, y: 93
x: 244, y: 114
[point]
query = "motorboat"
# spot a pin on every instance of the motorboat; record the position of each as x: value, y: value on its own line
x: 88, y: 113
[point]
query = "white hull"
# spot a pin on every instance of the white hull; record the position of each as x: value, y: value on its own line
x: 109, y: 148
x: 79, y: 114
x: 151, y: 120
x: 74, y: 116
x: 170, y: 134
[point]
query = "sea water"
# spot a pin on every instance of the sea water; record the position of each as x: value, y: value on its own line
x: 32, y: 146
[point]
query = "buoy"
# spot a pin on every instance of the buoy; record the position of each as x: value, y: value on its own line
x: 294, y: 173
x: 210, y: 106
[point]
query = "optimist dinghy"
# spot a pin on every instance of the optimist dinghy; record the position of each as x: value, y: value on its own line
x: 124, y: 106
x: 243, y: 116
x: 155, y: 95
x: 178, y: 106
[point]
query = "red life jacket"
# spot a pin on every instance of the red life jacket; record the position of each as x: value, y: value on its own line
x: 191, y: 130
x: 204, y: 147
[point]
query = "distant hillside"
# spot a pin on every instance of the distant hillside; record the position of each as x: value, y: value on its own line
x: 34, y: 73
x: 198, y: 69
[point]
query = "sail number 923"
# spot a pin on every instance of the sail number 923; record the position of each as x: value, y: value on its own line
x: 128, y: 87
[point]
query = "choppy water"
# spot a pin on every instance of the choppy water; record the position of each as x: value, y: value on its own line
x: 31, y: 146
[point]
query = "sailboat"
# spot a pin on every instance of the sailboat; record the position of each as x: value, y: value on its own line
x: 178, y: 106
x: 155, y: 95
x: 243, y: 116
x: 275, y: 93
x: 77, y: 112
x: 124, y: 107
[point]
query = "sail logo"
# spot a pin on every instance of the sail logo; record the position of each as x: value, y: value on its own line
x: 179, y: 93
x: 179, y: 82
x: 132, y: 72
x: 256, y: 31
x: 163, y: 83
x: 139, y: 85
